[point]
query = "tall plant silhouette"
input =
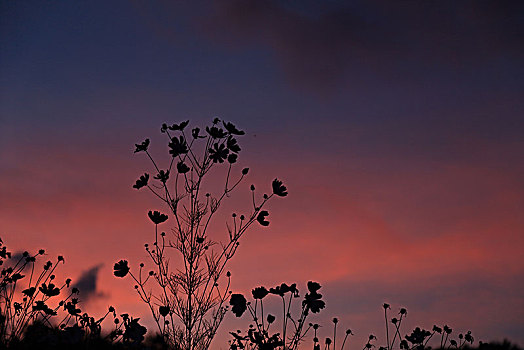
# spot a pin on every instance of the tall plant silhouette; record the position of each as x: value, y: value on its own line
x: 188, y: 288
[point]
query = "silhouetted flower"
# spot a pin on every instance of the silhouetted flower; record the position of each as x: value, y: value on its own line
x: 261, y: 218
x: 142, y: 147
x: 270, y: 318
x: 182, y: 167
x: 232, y: 129
x: 41, y: 306
x: 403, y: 311
x: 29, y: 291
x: 447, y: 329
x: 278, y: 188
x: 72, y: 309
x: 328, y: 341
x: 216, y: 120
x: 335, y: 320
x: 121, y: 268
x: 218, y: 153
x: 196, y: 133
x: 232, y: 144
x: 453, y: 343
x: 404, y: 345
x: 177, y: 146
x: 142, y: 181
x: 468, y: 337
x: 386, y: 306
x: 162, y: 175
x: 134, y: 331
x: 312, y: 302
x: 281, y: 290
x: 437, y: 329
x: 180, y: 126
x: 417, y: 336
x: 313, y: 287
x: 216, y: 133
x: 163, y: 128
x: 349, y: 332
x: 259, y: 292
x: 156, y: 217
x: 49, y: 290
x: 232, y: 158
x: 239, y: 304
x: 245, y: 171
x: 164, y: 310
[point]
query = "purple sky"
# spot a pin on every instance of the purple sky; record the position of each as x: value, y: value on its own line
x: 397, y: 126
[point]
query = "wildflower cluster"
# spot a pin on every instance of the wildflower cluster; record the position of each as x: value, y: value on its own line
x: 188, y: 300
x: 259, y: 336
x: 29, y: 298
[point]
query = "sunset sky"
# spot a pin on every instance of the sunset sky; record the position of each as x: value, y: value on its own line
x: 398, y: 128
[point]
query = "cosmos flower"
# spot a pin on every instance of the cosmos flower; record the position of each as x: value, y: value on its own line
x: 215, y: 132
x: 49, y: 290
x: 232, y: 129
x: 261, y: 218
x: 182, y: 168
x: 121, y: 268
x: 164, y: 310
x: 162, y: 175
x: 232, y: 144
x: 157, y: 217
x: 239, y: 304
x: 178, y: 146
x: 142, y: 181
x: 218, y: 153
x: 142, y: 147
x: 180, y: 126
x: 278, y: 188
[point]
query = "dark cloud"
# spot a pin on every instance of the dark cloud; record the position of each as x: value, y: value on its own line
x: 87, y: 284
x: 318, y: 46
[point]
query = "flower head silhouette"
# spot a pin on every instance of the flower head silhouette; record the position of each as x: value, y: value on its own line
x: 218, y: 153
x: 180, y: 126
x: 142, y: 181
x: 182, y: 168
x: 259, y: 292
x: 278, y: 188
x: 121, y: 268
x: 142, y: 147
x: 162, y: 175
x: 239, y: 304
x: 261, y: 218
x: 178, y: 146
x: 157, y: 217
x: 232, y: 129
x: 215, y: 132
